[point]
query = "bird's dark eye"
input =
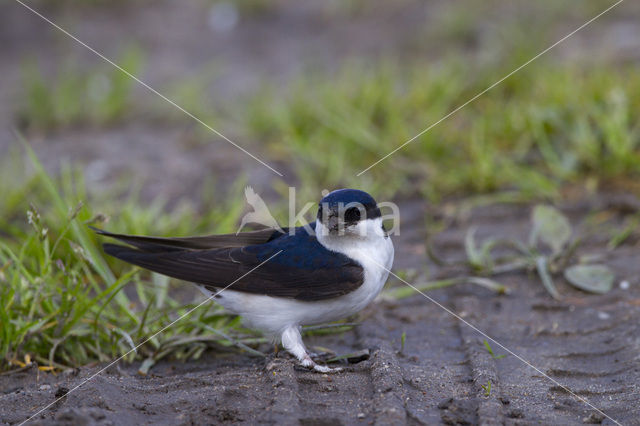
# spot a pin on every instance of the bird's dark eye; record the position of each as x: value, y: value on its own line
x: 352, y: 214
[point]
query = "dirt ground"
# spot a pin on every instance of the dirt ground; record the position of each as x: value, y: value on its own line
x: 586, y: 343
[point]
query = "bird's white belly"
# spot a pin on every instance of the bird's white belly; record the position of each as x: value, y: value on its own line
x: 274, y: 314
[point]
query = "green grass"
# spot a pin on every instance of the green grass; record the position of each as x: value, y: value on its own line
x: 60, y: 301
x: 489, y: 349
x: 487, y: 388
x: 76, y: 95
x: 548, y: 126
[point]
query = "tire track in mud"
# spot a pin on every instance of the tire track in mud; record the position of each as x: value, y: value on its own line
x: 285, y: 402
x: 483, y: 367
x: 588, y: 343
x: 387, y: 381
x: 428, y: 380
x: 369, y: 392
x: 591, y: 347
x: 595, y: 354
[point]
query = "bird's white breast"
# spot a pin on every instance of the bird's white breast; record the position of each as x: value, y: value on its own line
x: 373, y: 251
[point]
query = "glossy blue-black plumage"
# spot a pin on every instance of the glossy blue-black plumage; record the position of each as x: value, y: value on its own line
x: 350, y: 205
x: 267, y: 262
x: 300, y: 250
x: 346, y: 196
x: 292, y: 265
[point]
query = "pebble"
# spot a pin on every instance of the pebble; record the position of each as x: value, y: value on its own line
x: 45, y: 387
x: 624, y: 285
x: 603, y: 315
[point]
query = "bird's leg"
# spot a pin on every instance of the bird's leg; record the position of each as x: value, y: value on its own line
x: 292, y: 342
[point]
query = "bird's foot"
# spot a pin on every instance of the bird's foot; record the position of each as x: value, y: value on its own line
x: 292, y: 342
x: 311, y: 364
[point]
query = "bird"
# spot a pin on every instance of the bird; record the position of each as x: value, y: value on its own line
x: 282, y: 279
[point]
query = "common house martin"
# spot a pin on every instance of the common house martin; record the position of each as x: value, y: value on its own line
x: 324, y: 272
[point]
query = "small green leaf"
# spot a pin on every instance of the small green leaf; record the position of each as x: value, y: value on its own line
x: 592, y: 278
x: 545, y: 276
x: 488, y: 283
x: 473, y: 254
x: 490, y: 350
x: 551, y: 227
x: 487, y: 388
x: 146, y: 366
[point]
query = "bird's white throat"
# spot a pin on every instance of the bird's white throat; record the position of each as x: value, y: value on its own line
x: 369, y: 245
x: 366, y: 242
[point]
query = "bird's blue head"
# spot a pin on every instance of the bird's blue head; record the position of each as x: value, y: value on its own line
x: 343, y: 209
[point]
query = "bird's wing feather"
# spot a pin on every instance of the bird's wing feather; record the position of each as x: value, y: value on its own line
x: 159, y: 244
x: 300, y: 271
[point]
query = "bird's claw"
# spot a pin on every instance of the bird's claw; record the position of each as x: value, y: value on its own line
x: 309, y: 363
x: 325, y: 369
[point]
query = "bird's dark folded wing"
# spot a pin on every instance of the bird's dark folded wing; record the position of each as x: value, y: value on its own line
x: 159, y: 244
x: 285, y: 275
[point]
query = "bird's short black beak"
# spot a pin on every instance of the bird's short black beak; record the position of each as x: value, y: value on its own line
x: 333, y: 223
